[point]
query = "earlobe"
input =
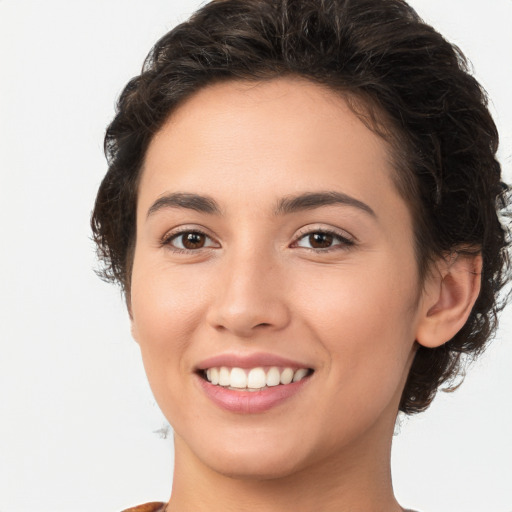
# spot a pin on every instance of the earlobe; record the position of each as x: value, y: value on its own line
x: 133, y: 326
x: 134, y: 330
x: 449, y: 296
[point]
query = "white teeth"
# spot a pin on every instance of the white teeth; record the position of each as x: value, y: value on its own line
x: 224, y: 377
x: 299, y: 374
x: 214, y: 375
x: 254, y: 379
x: 238, y: 378
x: 286, y: 376
x: 273, y: 377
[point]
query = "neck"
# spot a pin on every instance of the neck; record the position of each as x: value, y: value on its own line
x: 359, y: 478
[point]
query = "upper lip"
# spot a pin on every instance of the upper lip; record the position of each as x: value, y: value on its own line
x: 233, y: 360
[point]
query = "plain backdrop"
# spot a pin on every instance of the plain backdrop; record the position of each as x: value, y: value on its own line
x: 79, y: 428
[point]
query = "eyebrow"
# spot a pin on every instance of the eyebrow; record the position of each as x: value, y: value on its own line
x: 195, y: 202
x: 312, y: 200
x: 285, y: 206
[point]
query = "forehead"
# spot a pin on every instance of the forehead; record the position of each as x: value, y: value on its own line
x: 234, y: 139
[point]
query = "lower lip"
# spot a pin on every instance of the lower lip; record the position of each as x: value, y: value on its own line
x: 251, y: 402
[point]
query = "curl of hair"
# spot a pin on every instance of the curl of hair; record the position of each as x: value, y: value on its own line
x: 405, y: 81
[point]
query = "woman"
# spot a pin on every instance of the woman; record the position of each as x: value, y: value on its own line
x: 302, y: 209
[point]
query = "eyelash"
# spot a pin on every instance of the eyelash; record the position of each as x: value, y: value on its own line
x: 344, y: 242
x: 168, y: 239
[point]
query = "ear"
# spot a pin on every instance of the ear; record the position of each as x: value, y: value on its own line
x: 134, y: 330
x: 450, y: 292
x: 133, y: 326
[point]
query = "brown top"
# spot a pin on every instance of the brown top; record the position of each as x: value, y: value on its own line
x: 158, y: 506
x: 154, y: 506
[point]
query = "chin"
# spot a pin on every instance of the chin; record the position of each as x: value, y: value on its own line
x: 265, y: 460
x: 255, y: 467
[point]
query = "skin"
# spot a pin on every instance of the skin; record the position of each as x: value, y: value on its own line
x: 352, y: 312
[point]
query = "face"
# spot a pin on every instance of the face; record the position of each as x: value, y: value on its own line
x: 273, y: 245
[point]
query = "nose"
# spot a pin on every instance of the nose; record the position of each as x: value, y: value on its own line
x: 251, y: 297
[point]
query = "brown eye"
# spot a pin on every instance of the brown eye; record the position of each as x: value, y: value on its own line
x: 189, y: 241
x: 320, y: 240
x: 323, y: 241
x: 193, y: 240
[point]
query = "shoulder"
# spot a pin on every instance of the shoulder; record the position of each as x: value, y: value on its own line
x: 154, y: 506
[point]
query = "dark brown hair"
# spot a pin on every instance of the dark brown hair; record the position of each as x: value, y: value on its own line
x: 415, y: 89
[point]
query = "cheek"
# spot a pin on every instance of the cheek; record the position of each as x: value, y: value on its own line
x: 365, y: 321
x: 166, y: 309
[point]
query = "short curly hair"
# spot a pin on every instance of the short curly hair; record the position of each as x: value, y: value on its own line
x: 404, y: 80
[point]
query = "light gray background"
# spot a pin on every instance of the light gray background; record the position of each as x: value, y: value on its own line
x: 79, y: 429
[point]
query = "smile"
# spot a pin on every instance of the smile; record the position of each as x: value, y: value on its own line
x: 253, y: 379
